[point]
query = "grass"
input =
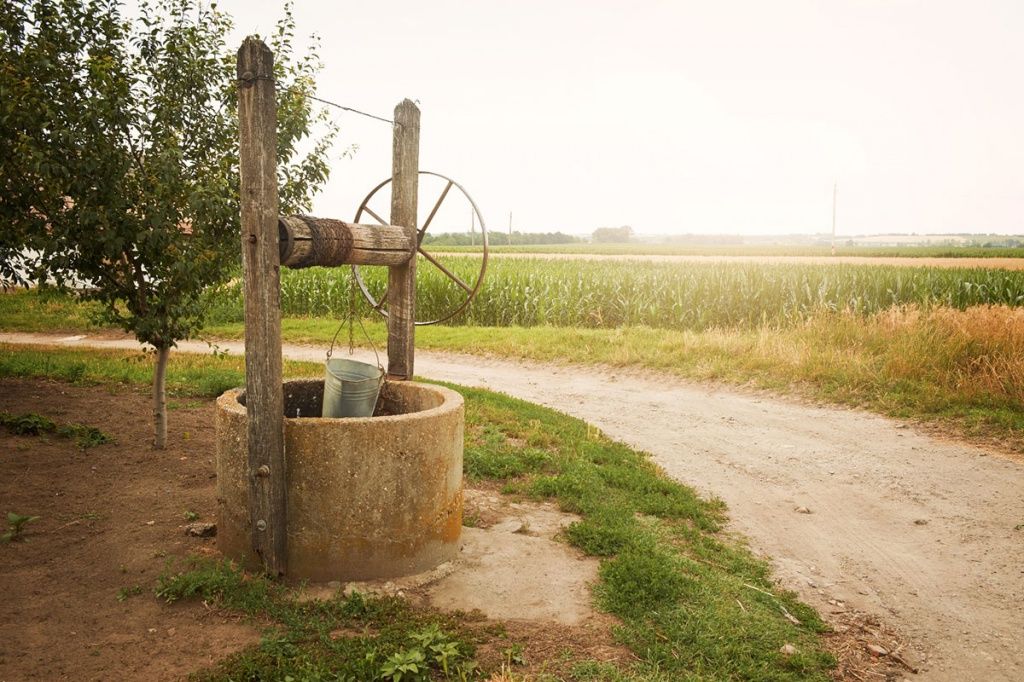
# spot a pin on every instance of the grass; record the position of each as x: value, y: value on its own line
x: 693, y: 603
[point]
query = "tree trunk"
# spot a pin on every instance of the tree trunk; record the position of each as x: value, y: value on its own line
x: 160, y: 397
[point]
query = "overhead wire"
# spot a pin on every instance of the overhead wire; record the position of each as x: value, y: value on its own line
x: 350, y: 109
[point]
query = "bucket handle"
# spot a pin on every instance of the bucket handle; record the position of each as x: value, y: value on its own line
x: 334, y: 339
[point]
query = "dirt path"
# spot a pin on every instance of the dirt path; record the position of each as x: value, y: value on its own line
x: 927, y: 534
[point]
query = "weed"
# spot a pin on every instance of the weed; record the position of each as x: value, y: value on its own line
x: 128, y: 592
x: 514, y: 655
x: 30, y: 424
x: 405, y: 665
x: 221, y: 580
x: 191, y: 516
x: 16, y: 526
x: 85, y: 436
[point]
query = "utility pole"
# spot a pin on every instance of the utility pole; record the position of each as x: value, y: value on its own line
x: 835, y: 189
x: 510, y: 228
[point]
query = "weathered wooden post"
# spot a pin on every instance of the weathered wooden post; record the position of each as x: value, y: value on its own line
x: 405, y: 168
x: 257, y: 128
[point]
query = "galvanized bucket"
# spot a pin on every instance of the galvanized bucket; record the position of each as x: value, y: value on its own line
x: 351, y: 388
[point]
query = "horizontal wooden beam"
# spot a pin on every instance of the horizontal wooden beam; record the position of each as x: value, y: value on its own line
x: 307, y: 241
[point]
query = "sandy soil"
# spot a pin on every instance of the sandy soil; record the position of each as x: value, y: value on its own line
x: 110, y: 518
x: 925, y: 534
x: 1001, y: 263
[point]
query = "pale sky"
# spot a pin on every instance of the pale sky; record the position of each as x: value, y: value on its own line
x: 705, y: 116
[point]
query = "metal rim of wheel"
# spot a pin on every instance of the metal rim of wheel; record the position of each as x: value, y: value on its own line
x: 471, y: 291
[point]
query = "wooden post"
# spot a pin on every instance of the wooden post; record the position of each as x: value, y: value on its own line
x: 405, y: 168
x: 264, y: 401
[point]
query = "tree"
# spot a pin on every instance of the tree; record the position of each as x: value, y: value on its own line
x: 119, y: 156
x: 605, y: 235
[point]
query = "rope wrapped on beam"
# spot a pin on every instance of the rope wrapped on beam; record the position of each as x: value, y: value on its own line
x: 306, y: 241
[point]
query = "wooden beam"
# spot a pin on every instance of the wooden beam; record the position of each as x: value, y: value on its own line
x: 264, y: 400
x: 405, y: 168
x: 307, y: 241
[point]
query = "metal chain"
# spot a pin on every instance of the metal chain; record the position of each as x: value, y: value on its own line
x: 351, y: 313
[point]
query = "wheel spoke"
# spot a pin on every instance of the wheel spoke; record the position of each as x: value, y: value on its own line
x: 433, y: 211
x: 374, y: 215
x: 442, y: 268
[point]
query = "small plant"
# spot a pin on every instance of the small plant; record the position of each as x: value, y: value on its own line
x: 127, y: 592
x: 434, y: 650
x: 33, y: 424
x: 16, y: 526
x: 191, y: 516
x: 30, y: 424
x: 407, y: 665
x: 85, y: 436
x: 514, y: 655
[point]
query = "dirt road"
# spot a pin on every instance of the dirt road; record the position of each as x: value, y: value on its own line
x: 925, y: 533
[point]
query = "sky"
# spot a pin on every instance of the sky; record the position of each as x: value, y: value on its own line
x: 707, y: 117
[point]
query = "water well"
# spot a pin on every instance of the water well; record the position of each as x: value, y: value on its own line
x: 357, y: 497
x: 373, y: 497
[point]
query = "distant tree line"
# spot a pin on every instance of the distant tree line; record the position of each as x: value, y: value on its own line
x: 612, y: 235
x: 499, y: 238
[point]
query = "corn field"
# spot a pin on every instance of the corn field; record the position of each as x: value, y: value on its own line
x: 581, y: 293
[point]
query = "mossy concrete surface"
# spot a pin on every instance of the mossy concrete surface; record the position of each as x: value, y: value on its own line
x: 374, y: 497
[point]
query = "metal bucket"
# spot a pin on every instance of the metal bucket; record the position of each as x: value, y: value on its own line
x: 351, y: 388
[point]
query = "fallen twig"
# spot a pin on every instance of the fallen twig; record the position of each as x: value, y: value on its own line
x: 69, y: 523
x: 786, y: 614
x: 899, y: 659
